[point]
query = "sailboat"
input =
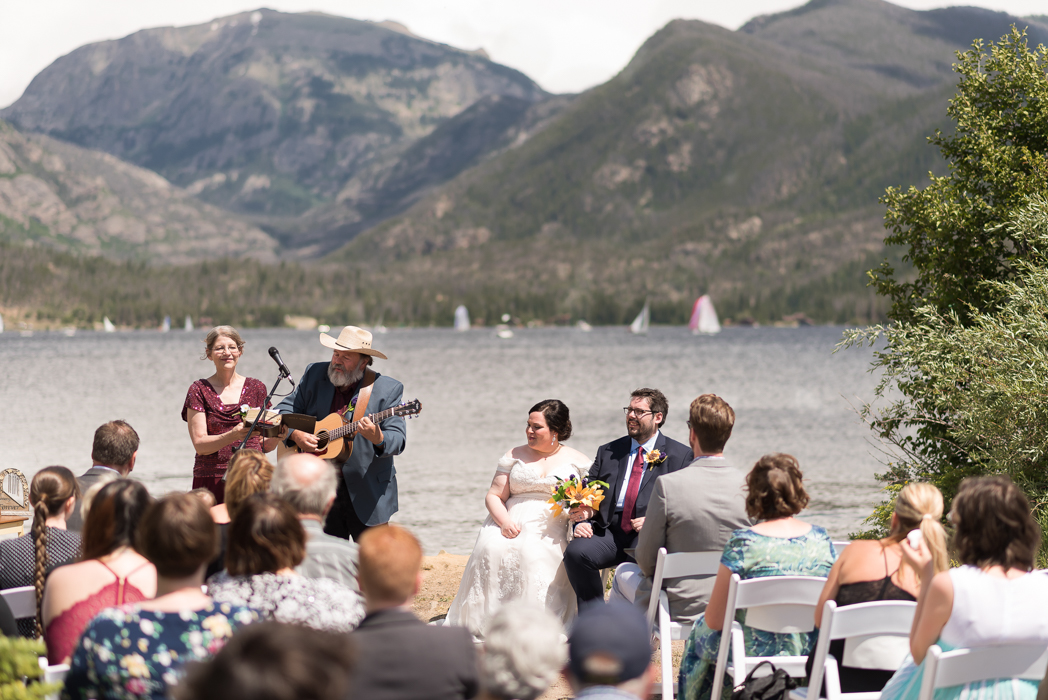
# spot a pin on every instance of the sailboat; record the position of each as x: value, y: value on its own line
x: 166, y: 325
x: 1, y: 324
x: 641, y: 323
x: 108, y: 325
x: 704, y: 317
x: 461, y: 318
x: 189, y: 323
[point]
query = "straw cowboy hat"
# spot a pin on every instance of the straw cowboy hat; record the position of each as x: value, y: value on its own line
x: 351, y: 339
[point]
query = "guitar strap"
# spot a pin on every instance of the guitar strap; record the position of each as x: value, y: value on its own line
x: 363, y: 396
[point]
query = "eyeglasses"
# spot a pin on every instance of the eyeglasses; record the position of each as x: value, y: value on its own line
x: 639, y: 412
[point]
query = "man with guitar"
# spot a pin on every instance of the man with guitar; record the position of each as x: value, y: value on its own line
x: 346, y: 386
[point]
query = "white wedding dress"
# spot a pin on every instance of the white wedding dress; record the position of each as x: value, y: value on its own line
x: 530, y: 566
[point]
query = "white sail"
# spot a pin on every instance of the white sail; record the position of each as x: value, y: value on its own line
x: 461, y: 318
x: 643, y: 320
x: 704, y: 316
x: 189, y: 323
x: 1, y: 324
x: 108, y: 325
x: 166, y: 325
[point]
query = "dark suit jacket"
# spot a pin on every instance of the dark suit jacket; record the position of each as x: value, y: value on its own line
x: 400, y: 657
x: 369, y: 472
x: 611, y: 464
x: 92, y: 476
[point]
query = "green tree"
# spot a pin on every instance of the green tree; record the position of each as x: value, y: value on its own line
x: 965, y: 265
x: 997, y: 157
x: 980, y: 379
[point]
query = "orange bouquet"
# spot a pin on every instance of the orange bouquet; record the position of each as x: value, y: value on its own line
x: 572, y: 492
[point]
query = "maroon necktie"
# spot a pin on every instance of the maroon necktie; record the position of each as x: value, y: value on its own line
x: 632, y: 490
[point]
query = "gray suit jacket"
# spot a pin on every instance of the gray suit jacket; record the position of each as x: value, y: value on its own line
x: 369, y: 473
x: 92, y: 476
x: 692, y: 510
x: 328, y: 556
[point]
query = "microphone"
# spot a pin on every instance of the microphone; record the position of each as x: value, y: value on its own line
x: 284, y: 371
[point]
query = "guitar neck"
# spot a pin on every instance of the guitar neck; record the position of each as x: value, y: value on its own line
x: 355, y: 425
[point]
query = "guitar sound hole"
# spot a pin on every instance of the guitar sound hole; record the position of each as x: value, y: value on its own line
x: 322, y: 440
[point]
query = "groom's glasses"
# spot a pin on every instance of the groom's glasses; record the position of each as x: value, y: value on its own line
x: 639, y: 412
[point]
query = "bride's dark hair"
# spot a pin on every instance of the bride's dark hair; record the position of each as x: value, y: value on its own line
x: 557, y: 417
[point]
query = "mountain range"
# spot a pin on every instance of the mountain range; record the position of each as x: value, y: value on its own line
x: 746, y: 163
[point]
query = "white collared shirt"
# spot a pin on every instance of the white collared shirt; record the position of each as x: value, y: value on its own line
x: 648, y: 447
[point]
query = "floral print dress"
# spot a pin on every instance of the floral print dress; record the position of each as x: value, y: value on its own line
x: 128, y: 652
x: 752, y: 555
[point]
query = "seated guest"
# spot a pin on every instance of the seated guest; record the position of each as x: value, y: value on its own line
x: 112, y: 572
x: 137, y: 651
x: 992, y: 598
x: 524, y: 652
x: 870, y: 570
x: 26, y: 560
x: 249, y: 473
x: 695, y: 509
x: 308, y: 484
x: 113, y: 455
x: 273, y: 661
x: 205, y: 496
x: 266, y: 543
x: 778, y: 545
x: 609, y: 653
x: 442, y: 662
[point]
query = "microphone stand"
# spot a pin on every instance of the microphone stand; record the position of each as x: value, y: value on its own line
x: 261, y: 412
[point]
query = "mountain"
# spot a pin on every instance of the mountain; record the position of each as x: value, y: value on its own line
x: 270, y: 114
x: 744, y: 164
x: 62, y: 196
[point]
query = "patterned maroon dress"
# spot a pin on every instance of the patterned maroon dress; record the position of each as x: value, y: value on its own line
x: 208, y: 470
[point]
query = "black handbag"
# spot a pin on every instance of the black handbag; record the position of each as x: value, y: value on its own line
x: 775, y: 686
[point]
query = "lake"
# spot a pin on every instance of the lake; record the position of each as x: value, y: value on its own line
x: 789, y: 392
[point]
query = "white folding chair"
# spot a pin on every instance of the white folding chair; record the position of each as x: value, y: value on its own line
x: 668, y: 566
x: 943, y: 669
x: 53, y: 674
x: 839, y: 545
x: 876, y: 635
x: 21, y: 600
x: 779, y: 604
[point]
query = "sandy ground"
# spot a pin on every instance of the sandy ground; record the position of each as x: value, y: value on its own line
x: 441, y: 575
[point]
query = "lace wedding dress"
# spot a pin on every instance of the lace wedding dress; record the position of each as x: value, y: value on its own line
x: 530, y: 566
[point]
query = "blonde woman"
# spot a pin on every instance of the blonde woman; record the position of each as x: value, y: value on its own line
x: 870, y: 570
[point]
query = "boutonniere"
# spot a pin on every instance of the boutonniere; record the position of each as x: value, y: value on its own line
x: 654, y: 458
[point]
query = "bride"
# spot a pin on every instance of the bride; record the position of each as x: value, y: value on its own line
x: 519, y: 554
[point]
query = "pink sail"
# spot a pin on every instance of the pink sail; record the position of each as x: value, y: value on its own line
x: 704, y: 316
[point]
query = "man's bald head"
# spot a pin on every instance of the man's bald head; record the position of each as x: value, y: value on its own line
x: 307, y: 482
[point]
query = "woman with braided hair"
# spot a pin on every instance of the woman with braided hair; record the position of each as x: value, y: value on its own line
x: 27, y: 560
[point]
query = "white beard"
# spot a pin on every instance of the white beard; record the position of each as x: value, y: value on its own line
x: 343, y: 379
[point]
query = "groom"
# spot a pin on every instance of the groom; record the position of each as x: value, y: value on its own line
x: 630, y: 466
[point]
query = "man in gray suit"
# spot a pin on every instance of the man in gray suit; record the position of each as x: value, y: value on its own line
x: 113, y: 455
x: 367, y: 491
x: 308, y: 484
x: 692, y: 510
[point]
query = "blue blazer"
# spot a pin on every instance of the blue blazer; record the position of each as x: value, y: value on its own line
x: 369, y: 472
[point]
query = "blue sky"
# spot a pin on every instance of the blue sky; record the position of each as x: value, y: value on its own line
x: 565, y: 45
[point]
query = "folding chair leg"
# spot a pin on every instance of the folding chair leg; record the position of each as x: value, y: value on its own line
x: 668, y: 686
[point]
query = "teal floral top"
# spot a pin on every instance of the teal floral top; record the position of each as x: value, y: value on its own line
x: 751, y: 555
x: 128, y: 652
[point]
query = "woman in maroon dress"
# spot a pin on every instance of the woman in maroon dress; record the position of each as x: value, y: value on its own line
x: 212, y: 410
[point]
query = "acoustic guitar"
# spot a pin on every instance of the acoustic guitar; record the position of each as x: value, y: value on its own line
x: 335, y: 433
